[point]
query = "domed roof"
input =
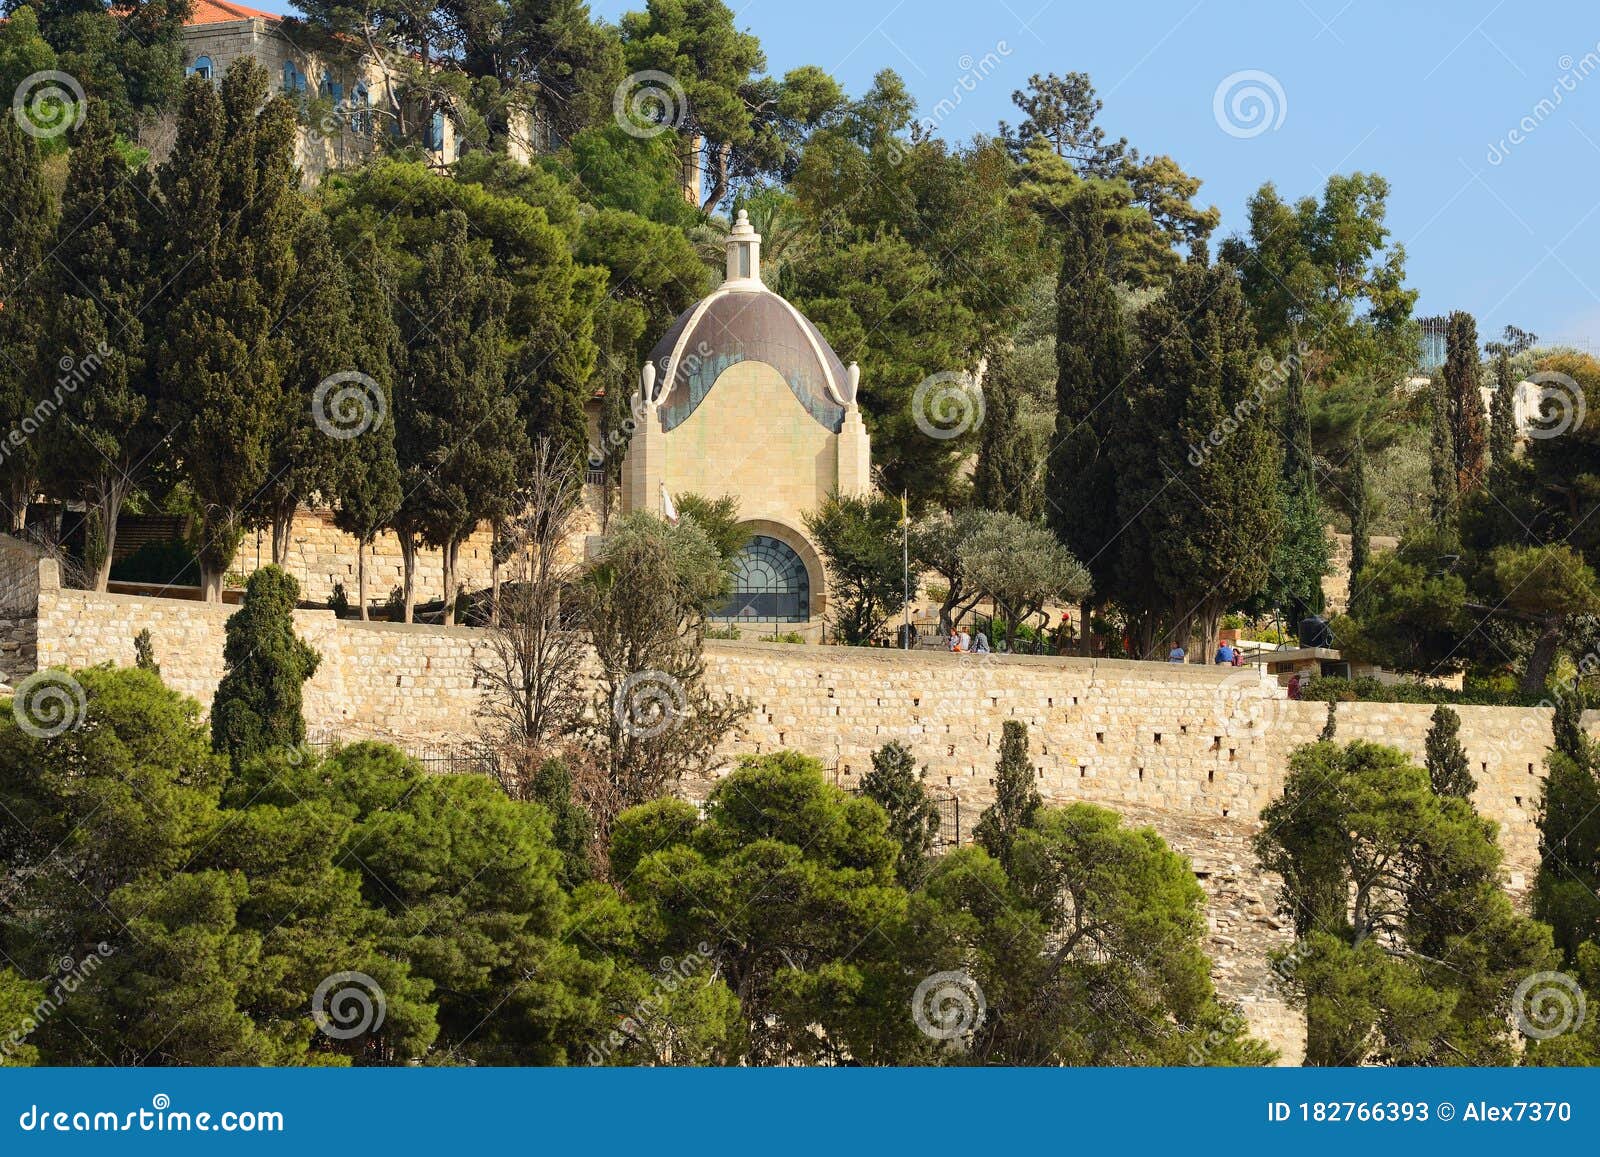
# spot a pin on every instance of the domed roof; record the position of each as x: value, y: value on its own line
x: 743, y: 320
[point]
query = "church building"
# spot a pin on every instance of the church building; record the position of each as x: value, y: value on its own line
x: 743, y: 396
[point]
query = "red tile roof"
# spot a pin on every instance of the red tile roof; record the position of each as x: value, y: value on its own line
x: 224, y: 12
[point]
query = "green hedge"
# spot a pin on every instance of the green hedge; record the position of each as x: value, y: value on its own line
x: 1368, y: 690
x: 169, y: 563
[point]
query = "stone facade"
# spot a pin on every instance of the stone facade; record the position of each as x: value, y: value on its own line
x: 1194, y: 751
x: 743, y: 397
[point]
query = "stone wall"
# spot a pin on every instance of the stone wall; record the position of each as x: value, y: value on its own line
x: 19, y: 596
x: 320, y: 555
x: 1195, y: 751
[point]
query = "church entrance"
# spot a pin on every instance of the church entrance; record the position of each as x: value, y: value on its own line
x: 770, y: 585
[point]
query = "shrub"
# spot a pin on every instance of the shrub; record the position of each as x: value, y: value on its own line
x: 339, y: 601
x: 168, y: 562
x: 1366, y: 689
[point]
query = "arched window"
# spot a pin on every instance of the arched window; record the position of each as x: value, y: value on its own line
x: 201, y: 67
x: 360, y: 104
x: 770, y: 585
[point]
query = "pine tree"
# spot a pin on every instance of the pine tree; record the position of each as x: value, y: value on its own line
x: 222, y: 368
x: 1466, y: 401
x: 1007, y: 475
x: 24, y: 243
x: 1502, y: 411
x: 1016, y: 796
x: 1091, y: 361
x: 1446, y: 759
x: 460, y: 438
x: 366, y: 484
x: 896, y: 785
x: 97, y: 448
x: 257, y: 704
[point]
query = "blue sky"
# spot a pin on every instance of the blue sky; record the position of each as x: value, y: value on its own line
x: 1421, y: 92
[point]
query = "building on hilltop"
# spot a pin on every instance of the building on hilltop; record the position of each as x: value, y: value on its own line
x: 743, y: 396
x: 353, y: 104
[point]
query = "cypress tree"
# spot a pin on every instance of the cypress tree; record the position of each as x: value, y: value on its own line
x: 1091, y: 361
x: 1442, y: 456
x: 461, y: 440
x: 223, y: 368
x: 366, y: 484
x: 1446, y: 759
x: 97, y: 448
x: 258, y: 702
x: 1007, y: 473
x: 1016, y: 797
x: 896, y: 785
x: 1566, y: 894
x: 1208, y: 512
x: 1330, y: 725
x: 318, y: 341
x: 1303, y: 556
x: 1465, y: 400
x: 24, y: 243
x: 1502, y: 411
x: 1360, y: 536
x: 571, y: 828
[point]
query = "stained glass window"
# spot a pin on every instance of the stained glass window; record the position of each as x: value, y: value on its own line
x: 770, y: 585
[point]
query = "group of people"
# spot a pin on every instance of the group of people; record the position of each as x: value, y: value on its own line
x: 961, y: 642
x: 1227, y: 655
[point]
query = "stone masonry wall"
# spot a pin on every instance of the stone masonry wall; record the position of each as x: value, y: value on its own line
x: 19, y: 596
x: 1194, y: 751
x: 320, y: 555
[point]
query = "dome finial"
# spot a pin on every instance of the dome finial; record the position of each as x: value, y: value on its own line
x: 744, y: 252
